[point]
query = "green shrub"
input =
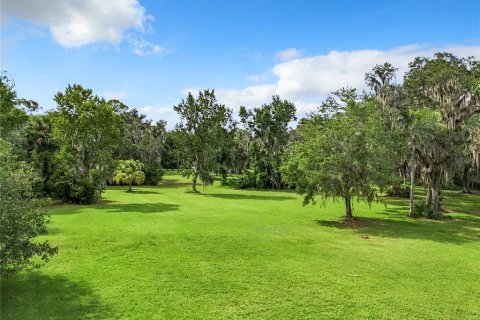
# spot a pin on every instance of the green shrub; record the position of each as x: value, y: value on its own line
x: 422, y: 210
x: 72, y: 188
x: 153, y: 174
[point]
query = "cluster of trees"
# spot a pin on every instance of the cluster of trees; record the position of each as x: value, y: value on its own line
x: 355, y: 146
x: 425, y: 130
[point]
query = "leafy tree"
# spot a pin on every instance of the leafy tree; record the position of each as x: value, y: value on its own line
x: 129, y: 172
x: 202, y: 131
x: 340, y: 154
x: 445, y: 84
x: 394, y: 104
x: 172, y: 158
x: 39, y: 146
x: 22, y: 216
x: 11, y: 117
x: 144, y: 141
x: 13, y: 111
x: 239, y: 157
x: 270, y: 135
x: 87, y: 129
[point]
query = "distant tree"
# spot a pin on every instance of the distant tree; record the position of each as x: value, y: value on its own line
x: 445, y: 84
x: 202, y: 128
x: 394, y: 103
x: 270, y: 133
x: 22, y: 216
x: 13, y: 110
x: 144, y: 141
x: 174, y: 146
x: 129, y: 172
x: 87, y: 129
x: 39, y: 146
x: 341, y: 152
x: 239, y: 156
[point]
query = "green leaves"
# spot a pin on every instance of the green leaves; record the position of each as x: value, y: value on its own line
x: 87, y: 129
x: 129, y: 172
x: 22, y: 216
x: 268, y: 127
x: 345, y: 155
x: 202, y: 132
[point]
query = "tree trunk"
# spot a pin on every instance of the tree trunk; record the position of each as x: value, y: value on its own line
x: 434, y: 182
x: 428, y: 200
x: 465, y: 180
x: 194, y: 182
x: 348, y: 209
x: 412, y: 186
x: 130, y: 187
x: 435, y: 198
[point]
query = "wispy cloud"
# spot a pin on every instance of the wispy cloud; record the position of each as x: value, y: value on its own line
x: 142, y: 47
x: 288, y: 54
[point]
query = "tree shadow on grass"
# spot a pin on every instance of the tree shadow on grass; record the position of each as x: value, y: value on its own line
x: 157, y: 207
x: 457, y: 231
x: 140, y: 191
x: 231, y: 196
x: 174, y: 183
x: 116, y: 207
x: 37, y: 296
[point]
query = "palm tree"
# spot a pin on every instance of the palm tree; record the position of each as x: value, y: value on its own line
x: 129, y: 172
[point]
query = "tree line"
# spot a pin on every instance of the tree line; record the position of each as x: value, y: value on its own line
x: 356, y: 145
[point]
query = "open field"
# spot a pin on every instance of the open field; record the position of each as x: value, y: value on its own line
x: 164, y: 253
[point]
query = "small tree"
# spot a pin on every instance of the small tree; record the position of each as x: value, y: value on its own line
x: 129, y: 172
x: 341, y: 154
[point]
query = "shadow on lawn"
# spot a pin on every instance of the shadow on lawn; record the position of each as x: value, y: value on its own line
x: 140, y: 191
x: 116, y: 207
x: 157, y: 207
x: 460, y: 230
x: 37, y: 296
x: 173, y: 183
x: 231, y: 196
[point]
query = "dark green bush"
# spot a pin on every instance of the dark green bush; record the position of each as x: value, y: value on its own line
x: 422, y: 210
x: 81, y: 189
x: 153, y: 173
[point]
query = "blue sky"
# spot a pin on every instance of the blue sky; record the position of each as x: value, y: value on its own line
x: 150, y: 53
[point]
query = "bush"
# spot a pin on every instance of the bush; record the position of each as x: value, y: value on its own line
x: 153, y: 174
x: 246, y: 181
x: 422, y: 210
x: 72, y: 188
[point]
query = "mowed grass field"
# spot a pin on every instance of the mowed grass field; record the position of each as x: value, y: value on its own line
x: 164, y: 253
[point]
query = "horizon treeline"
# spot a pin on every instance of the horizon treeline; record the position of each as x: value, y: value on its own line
x: 424, y: 129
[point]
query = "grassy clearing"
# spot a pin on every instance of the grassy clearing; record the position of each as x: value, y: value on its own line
x: 164, y: 253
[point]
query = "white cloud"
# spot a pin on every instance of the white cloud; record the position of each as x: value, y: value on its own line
x: 117, y: 95
x: 319, y: 75
x: 252, y: 96
x: 74, y: 23
x: 155, y: 110
x: 288, y: 54
x: 307, y: 81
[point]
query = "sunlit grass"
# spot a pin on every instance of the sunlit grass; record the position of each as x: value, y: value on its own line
x: 164, y: 253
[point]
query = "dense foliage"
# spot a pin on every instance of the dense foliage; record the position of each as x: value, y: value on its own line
x: 270, y: 134
x: 341, y: 154
x: 22, y: 212
x: 201, y: 137
x: 129, y: 172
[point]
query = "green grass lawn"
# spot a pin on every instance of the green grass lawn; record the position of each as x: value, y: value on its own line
x: 164, y: 253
